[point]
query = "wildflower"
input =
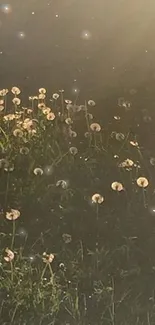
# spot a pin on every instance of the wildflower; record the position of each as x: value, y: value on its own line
x: 13, y: 215
x: 62, y: 183
x: 120, y: 136
x: 46, y: 110
x: 9, y: 117
x: 116, y: 156
x: 72, y: 133
x: 67, y: 101
x: 134, y: 143
x: 117, y: 117
x: 16, y: 101
x: 27, y: 124
x: 24, y: 150
x: 68, y: 121
x: 116, y: 186
x: 142, y: 182
x: 91, y: 102
x: 33, y: 97
x: 3, y: 92
x: 10, y: 255
x: 73, y: 150
x: 61, y: 90
x: 87, y: 134
x: 41, y: 105
x: 126, y: 163
x: 95, y: 127
x: 38, y: 171
x: 90, y: 116
x: 50, y: 116
x: 1, y: 108
x: 18, y: 133
x: 47, y: 258
x: 56, y: 96
x: 15, y: 90
x: 29, y: 110
x: 67, y: 238
x: 41, y: 96
x: 97, y: 198
x: 42, y: 90
x: 1, y: 101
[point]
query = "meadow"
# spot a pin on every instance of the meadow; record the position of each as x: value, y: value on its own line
x: 77, y: 212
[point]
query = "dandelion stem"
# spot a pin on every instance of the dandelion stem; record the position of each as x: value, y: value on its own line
x: 13, y: 233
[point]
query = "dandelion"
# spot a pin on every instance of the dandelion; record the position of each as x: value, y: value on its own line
x: 116, y: 186
x: 97, y: 198
x: 95, y: 127
x: 87, y: 134
x: 120, y: 136
x: 91, y: 102
x: 42, y: 90
x: 29, y: 111
x: 41, y: 105
x: 15, y: 90
x: 67, y: 101
x: 134, y: 143
x: 16, y: 101
x: 3, y: 92
x: 117, y: 117
x: 9, y: 117
x: 90, y: 116
x: 33, y: 97
x: 73, y: 150
x: 10, y: 255
x: 56, y: 96
x: 50, y: 116
x: 46, y: 110
x: 142, y: 182
x: 38, y: 171
x: 27, y: 123
x: 41, y: 96
x: 47, y: 258
x: 62, y: 183
x: 18, y: 133
x: 67, y: 238
x: 127, y: 163
x: 13, y: 215
x: 68, y: 121
x: 72, y: 134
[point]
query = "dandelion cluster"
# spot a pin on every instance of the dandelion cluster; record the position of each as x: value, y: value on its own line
x: 68, y: 192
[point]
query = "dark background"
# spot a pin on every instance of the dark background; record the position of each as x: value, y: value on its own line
x: 118, y: 56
